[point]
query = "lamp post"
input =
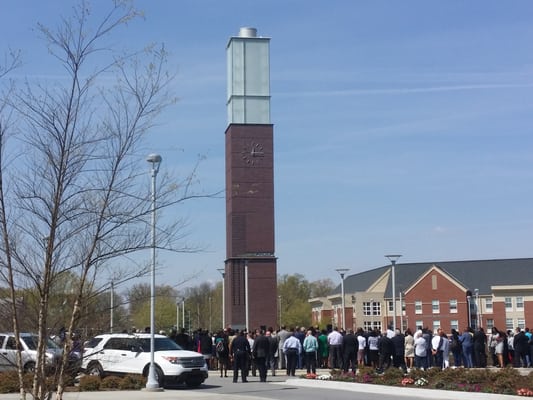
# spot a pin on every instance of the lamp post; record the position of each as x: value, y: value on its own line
x: 223, y: 273
x: 247, y: 309
x: 478, y: 315
x: 469, y: 310
x: 177, y: 314
x: 372, y: 314
x: 279, y: 301
x: 393, y: 258
x: 342, y: 272
x: 152, y: 383
x: 210, y: 312
x: 112, y: 306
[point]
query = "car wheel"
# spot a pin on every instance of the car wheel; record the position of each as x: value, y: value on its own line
x: 29, y: 367
x: 159, y: 376
x: 95, y: 369
x: 194, y: 382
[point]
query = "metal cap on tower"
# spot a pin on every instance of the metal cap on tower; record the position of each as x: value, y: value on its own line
x: 248, y: 32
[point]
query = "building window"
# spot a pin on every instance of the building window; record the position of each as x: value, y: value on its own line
x: 367, y: 326
x: 488, y: 305
x: 520, y: 303
x: 435, y: 306
x: 418, y: 306
x: 521, y: 323
x: 509, y: 324
x: 376, y: 308
x: 436, y: 325
x: 508, y: 304
x: 367, y: 308
x: 391, y: 306
x: 454, y: 324
x: 419, y: 324
x: 453, y: 306
x: 490, y: 323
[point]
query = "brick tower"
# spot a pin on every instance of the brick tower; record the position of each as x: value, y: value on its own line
x: 250, y: 279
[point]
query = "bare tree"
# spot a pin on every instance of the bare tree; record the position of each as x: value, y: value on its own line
x: 71, y: 198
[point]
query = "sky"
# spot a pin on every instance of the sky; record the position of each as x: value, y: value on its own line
x: 400, y: 127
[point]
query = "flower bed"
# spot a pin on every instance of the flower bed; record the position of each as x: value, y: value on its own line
x: 502, y: 381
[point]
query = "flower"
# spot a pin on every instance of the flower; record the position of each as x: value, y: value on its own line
x: 407, y: 381
x: 421, y: 382
x: 325, y: 377
x: 524, y: 392
x: 311, y: 376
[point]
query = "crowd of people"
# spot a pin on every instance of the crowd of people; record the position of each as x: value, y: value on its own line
x: 263, y: 350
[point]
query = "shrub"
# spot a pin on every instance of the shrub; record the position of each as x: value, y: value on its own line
x: 111, y: 382
x: 392, y: 376
x: 132, y: 382
x: 9, y: 382
x: 90, y: 383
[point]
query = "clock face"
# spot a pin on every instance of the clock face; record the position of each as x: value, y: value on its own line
x: 253, y: 153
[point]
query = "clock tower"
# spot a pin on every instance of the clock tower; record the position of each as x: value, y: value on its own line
x: 250, y: 278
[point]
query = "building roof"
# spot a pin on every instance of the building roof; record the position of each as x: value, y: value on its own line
x: 473, y: 274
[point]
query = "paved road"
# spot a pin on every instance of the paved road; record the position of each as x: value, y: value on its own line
x: 279, y: 387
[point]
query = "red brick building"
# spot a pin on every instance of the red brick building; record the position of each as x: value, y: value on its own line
x: 457, y: 294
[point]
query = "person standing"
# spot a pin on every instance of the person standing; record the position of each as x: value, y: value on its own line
x: 310, y: 348
x: 386, y: 350
x: 292, y: 348
x: 361, y: 348
x: 240, y: 349
x: 335, y: 348
x: 409, y: 349
x: 420, y: 351
x: 323, y: 351
x: 398, y: 356
x: 521, y: 349
x: 274, y: 350
x: 260, y: 352
x: 350, y: 347
x: 436, y: 349
x: 466, y: 340
x: 480, y: 346
x: 222, y: 350
x: 283, y: 334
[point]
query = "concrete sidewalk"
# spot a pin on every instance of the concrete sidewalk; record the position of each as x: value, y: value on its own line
x: 214, y: 380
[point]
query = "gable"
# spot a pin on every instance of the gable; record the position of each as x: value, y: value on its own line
x: 434, y: 274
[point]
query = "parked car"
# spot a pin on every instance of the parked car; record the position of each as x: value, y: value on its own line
x: 122, y: 353
x: 28, y: 342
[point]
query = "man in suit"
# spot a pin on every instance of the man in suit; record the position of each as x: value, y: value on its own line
x: 240, y: 349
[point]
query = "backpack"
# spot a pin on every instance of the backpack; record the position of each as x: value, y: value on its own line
x: 220, y: 347
x: 455, y: 344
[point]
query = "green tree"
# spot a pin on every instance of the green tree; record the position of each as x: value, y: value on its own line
x: 293, y: 294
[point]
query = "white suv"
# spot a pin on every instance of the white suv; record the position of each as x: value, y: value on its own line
x: 122, y: 353
x: 28, y: 343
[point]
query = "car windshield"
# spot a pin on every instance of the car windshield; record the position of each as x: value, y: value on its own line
x: 32, y: 340
x: 160, y: 344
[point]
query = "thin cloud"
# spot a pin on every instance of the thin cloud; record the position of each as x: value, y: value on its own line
x: 357, y: 92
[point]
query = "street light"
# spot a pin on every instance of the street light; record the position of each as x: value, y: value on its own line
x: 246, y: 297
x: 223, y: 273
x: 279, y: 301
x: 372, y: 314
x: 342, y: 272
x: 478, y: 314
x: 152, y: 384
x: 393, y: 258
x: 112, y: 306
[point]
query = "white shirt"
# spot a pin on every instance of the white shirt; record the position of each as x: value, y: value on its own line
x: 335, y: 338
x: 362, y: 342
